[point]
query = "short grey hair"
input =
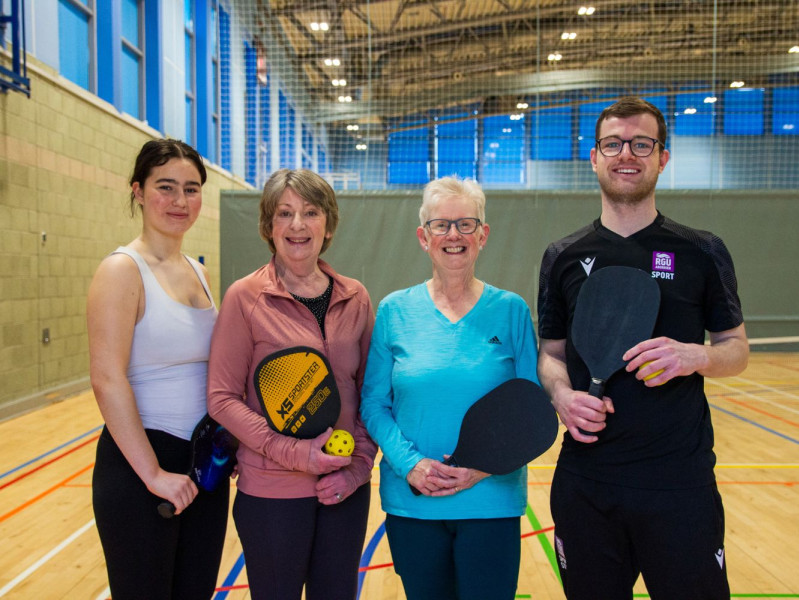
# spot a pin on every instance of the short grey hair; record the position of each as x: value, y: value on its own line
x: 452, y: 187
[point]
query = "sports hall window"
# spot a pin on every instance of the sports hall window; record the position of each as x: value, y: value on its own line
x: 692, y: 114
x: 588, y: 113
x: 288, y: 139
x: 785, y: 119
x: 456, y: 145
x: 409, y: 152
x: 76, y: 42
x: 213, y: 134
x: 190, y: 83
x: 743, y: 111
x: 132, y: 63
x: 551, y: 133
x: 251, y: 113
x: 225, y: 115
x: 503, y: 150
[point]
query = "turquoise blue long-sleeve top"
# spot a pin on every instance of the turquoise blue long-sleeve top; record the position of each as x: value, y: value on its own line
x: 422, y: 374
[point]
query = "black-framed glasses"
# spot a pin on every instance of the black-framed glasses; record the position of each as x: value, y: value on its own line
x: 641, y: 146
x: 465, y: 226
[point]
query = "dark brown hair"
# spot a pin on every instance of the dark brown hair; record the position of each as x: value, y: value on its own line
x: 156, y: 153
x: 630, y: 106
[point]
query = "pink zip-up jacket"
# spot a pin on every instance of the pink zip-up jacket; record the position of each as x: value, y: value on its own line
x: 258, y: 317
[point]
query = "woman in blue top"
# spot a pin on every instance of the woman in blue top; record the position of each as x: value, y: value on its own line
x: 436, y: 348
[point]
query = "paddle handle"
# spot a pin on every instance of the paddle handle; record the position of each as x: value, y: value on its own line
x: 597, y: 390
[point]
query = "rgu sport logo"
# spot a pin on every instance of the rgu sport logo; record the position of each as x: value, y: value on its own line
x: 663, y: 265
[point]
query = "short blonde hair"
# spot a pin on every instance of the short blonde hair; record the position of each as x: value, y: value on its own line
x: 451, y: 187
x: 307, y: 185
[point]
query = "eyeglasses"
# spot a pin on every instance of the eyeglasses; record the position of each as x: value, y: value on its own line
x: 641, y: 146
x: 464, y: 226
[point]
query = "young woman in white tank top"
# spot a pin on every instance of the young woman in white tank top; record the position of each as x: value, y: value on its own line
x: 150, y: 318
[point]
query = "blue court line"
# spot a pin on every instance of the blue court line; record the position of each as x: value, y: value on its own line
x: 755, y: 423
x: 231, y: 577
x: 49, y: 452
x: 368, y: 553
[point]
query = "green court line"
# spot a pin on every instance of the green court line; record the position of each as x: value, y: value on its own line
x: 544, y: 541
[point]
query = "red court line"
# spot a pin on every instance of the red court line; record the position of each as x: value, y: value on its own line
x: 49, y: 462
x: 35, y: 499
x: 539, y: 532
x: 391, y: 564
x: 372, y: 567
x: 761, y: 411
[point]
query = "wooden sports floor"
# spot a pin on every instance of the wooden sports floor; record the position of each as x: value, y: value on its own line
x: 51, y: 550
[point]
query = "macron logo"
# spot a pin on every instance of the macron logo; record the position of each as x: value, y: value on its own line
x: 720, y: 557
x: 588, y: 264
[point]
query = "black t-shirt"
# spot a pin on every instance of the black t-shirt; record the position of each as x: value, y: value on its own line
x: 660, y: 437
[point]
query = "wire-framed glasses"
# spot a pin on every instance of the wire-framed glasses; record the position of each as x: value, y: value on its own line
x: 641, y: 146
x: 465, y: 226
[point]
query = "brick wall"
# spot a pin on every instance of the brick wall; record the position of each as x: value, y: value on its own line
x: 65, y: 157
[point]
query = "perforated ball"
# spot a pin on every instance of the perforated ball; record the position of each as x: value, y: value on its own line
x: 340, y: 443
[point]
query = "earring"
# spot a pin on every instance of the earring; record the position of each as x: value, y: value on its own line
x: 425, y: 247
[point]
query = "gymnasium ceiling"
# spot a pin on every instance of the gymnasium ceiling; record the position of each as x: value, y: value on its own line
x: 407, y: 56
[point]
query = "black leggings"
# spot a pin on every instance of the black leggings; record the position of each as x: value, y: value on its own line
x: 146, y: 555
x: 293, y: 542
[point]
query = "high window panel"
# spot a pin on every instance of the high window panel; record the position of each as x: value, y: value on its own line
x: 213, y: 134
x: 743, y: 112
x: 75, y: 41
x: 692, y: 115
x: 456, y: 145
x: 251, y: 114
x: 287, y: 126
x: 551, y: 133
x: 409, y: 152
x: 190, y: 62
x: 225, y: 116
x: 785, y: 111
x: 588, y: 114
x: 132, y: 63
x: 503, y: 150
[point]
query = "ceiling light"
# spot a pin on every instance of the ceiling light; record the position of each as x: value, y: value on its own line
x: 361, y: 146
x: 345, y: 98
x: 710, y: 99
x: 737, y: 84
x: 568, y: 35
x: 319, y: 26
x: 586, y: 10
x: 690, y: 111
x: 516, y: 117
x: 332, y: 62
x: 555, y: 56
x: 794, y: 50
x: 788, y: 126
x: 352, y: 128
x: 522, y: 105
x: 339, y: 82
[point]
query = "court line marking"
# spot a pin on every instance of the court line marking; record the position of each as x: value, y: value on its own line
x: 762, y: 386
x: 755, y: 423
x: 56, y: 449
x: 48, y: 491
x: 49, y: 462
x: 35, y: 566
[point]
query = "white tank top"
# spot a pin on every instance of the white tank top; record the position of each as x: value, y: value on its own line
x: 169, y: 358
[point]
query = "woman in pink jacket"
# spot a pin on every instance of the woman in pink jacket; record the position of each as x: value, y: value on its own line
x: 300, y: 514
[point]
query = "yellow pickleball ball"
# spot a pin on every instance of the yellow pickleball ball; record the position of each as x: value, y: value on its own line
x: 652, y: 375
x: 341, y: 443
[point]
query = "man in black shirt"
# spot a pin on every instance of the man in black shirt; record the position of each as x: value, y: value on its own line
x: 634, y: 490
